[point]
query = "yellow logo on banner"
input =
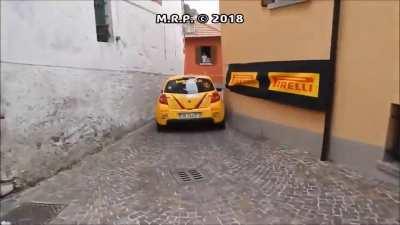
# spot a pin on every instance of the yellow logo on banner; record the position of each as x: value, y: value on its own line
x: 295, y: 83
x: 244, y: 79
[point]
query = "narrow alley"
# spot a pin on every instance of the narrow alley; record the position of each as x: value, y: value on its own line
x: 244, y: 181
x: 104, y: 106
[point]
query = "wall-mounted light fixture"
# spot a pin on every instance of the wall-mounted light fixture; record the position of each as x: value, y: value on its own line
x: 272, y: 4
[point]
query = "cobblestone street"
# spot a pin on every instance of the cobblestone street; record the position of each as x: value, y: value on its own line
x: 246, y: 181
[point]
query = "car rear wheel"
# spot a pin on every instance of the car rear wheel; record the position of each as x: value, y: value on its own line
x: 221, y: 125
x: 161, y: 128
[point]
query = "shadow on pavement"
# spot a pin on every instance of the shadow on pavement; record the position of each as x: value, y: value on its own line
x: 191, y: 127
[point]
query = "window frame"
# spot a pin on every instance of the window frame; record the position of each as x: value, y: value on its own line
x: 104, y: 32
x: 212, y: 55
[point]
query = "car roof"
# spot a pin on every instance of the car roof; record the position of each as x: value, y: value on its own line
x: 175, y: 77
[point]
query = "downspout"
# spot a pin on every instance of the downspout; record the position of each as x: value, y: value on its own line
x: 333, y: 52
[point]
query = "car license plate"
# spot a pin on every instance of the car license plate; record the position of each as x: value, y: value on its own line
x: 189, y: 115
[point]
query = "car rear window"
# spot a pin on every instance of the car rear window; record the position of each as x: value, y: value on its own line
x: 188, y: 86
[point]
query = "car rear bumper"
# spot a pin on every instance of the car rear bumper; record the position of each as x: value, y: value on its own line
x: 165, y: 116
x: 177, y: 122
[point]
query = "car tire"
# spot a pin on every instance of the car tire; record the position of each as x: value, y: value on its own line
x: 221, y: 125
x: 161, y: 128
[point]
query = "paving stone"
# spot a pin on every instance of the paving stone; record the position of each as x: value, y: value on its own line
x: 249, y: 181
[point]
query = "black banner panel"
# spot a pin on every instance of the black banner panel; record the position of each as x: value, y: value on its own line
x: 304, y: 83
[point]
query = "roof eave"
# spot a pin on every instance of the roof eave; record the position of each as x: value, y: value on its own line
x: 200, y: 36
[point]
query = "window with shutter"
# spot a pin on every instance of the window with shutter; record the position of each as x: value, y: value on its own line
x: 103, y: 20
x: 205, y: 55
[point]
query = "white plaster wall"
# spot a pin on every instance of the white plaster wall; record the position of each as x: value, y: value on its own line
x: 54, y: 116
x: 63, y: 33
x: 64, y: 94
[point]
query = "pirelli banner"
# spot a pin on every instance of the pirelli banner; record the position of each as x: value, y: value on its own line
x: 305, y: 83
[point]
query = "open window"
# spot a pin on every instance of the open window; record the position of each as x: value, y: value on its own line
x: 103, y: 20
x: 205, y: 55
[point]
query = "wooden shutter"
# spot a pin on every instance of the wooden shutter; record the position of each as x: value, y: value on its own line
x: 102, y: 28
x: 198, y: 55
x: 100, y: 12
x: 213, y: 56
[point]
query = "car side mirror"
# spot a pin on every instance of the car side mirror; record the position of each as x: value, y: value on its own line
x: 219, y: 89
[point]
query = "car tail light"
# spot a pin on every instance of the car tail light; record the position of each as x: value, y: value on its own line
x: 163, y: 99
x: 215, y: 97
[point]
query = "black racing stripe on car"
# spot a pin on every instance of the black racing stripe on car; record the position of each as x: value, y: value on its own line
x: 180, y: 105
x: 202, y: 99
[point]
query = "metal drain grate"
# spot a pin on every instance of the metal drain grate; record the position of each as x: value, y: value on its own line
x: 188, y: 175
x: 33, y: 213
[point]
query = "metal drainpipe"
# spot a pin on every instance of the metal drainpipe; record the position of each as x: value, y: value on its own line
x: 333, y: 51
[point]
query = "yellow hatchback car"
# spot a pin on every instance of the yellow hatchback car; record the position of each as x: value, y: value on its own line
x: 189, y: 98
